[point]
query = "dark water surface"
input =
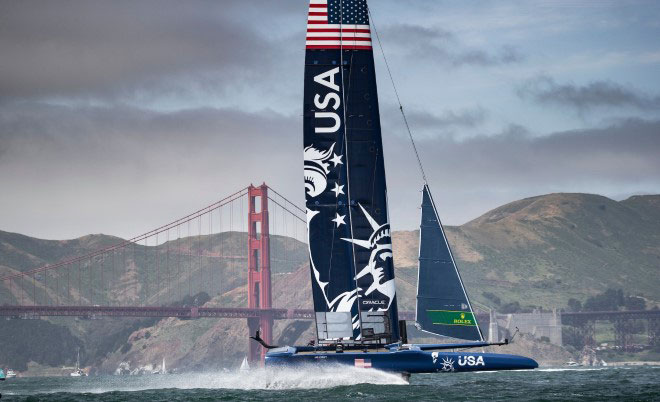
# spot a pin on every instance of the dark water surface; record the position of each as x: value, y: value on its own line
x: 624, y: 383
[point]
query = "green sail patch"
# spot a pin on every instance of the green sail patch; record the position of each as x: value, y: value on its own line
x: 444, y: 317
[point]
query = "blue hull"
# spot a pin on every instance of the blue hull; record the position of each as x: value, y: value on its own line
x: 404, y: 361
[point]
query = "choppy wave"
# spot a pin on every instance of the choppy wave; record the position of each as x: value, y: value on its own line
x: 549, y: 370
x: 344, y: 383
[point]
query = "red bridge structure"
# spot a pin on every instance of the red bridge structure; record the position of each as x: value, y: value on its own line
x: 259, y: 284
x: 159, y: 273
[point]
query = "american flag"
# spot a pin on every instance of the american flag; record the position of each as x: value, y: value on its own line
x: 363, y: 363
x: 338, y: 24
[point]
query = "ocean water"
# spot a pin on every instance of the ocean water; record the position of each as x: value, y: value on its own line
x: 602, y: 384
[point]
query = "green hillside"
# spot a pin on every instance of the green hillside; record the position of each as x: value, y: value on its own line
x: 538, y: 251
x: 541, y: 251
x: 138, y: 275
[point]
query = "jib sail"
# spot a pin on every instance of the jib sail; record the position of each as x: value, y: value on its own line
x: 350, y: 247
x: 443, y: 307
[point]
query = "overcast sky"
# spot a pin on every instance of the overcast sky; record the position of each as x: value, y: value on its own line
x: 119, y: 116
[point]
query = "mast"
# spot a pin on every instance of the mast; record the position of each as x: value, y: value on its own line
x: 346, y: 197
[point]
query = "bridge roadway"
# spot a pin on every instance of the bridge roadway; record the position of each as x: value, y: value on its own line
x: 179, y: 312
x: 582, y: 316
x: 277, y: 313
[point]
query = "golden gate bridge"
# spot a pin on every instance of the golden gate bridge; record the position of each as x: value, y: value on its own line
x: 151, y: 275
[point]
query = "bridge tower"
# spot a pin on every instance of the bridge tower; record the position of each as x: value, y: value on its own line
x: 259, y: 289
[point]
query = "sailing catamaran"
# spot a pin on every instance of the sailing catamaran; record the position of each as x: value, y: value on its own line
x: 350, y: 247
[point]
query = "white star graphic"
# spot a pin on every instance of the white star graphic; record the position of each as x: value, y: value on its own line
x: 339, y: 220
x: 338, y: 189
x: 336, y: 160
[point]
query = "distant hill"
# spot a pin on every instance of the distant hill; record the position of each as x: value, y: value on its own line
x: 189, y: 264
x: 542, y: 250
x: 141, y: 274
x: 538, y: 251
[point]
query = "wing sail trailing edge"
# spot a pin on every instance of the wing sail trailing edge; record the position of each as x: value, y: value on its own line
x: 443, y: 307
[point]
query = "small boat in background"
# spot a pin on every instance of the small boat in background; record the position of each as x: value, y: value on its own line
x: 245, y: 366
x: 78, y: 372
x: 160, y: 370
x: 10, y: 373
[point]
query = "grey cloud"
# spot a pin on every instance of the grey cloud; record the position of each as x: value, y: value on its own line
x: 546, y: 90
x: 505, y: 55
x: 430, y: 124
x: 515, y: 155
x: 445, y: 47
x: 72, y: 134
x: 121, y: 170
x: 480, y: 173
x: 109, y: 48
x: 405, y: 34
x: 466, y: 118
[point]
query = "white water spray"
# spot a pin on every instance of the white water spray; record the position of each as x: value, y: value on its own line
x: 257, y: 379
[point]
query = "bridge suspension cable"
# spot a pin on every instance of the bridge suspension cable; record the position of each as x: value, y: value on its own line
x: 152, y: 269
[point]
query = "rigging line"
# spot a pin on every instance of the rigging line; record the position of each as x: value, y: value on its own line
x: 348, y: 178
x: 396, y: 93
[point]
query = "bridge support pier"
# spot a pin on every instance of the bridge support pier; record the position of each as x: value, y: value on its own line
x: 259, y: 284
x: 493, y: 328
x: 623, y: 333
x: 588, y: 331
x: 653, y: 331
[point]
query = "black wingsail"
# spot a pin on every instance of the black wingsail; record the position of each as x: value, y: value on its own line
x: 443, y: 307
x: 348, y: 227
